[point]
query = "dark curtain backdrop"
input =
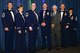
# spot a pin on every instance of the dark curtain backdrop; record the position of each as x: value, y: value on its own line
x: 27, y: 3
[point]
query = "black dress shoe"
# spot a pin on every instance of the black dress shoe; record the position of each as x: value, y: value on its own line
x: 64, y: 46
x: 73, y: 45
x: 57, y: 48
x: 43, y: 48
x: 50, y: 48
x: 32, y: 52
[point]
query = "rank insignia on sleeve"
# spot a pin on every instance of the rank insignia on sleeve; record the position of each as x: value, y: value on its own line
x: 27, y: 14
x: 3, y: 15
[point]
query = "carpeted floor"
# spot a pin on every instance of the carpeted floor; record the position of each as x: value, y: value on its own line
x: 62, y: 50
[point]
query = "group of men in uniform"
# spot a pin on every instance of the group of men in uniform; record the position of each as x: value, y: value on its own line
x: 55, y: 27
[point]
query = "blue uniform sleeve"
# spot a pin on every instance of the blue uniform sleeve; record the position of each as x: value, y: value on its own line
x: 4, y: 21
x: 40, y: 17
x: 17, y: 22
x: 27, y: 19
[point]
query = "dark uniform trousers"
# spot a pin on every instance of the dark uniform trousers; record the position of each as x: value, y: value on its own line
x: 9, y: 41
x: 46, y: 35
x: 20, y: 42
x: 32, y: 40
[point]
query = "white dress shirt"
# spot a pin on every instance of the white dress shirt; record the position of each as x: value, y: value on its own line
x: 44, y: 14
x: 22, y: 16
x: 12, y: 14
x: 62, y: 12
x: 36, y: 15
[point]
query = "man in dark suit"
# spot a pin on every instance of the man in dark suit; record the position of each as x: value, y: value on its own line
x: 45, y: 22
x: 55, y: 28
x: 20, y: 41
x: 64, y: 36
x: 32, y: 27
x: 8, y: 20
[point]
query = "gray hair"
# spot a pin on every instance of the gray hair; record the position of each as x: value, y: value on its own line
x: 55, y: 6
